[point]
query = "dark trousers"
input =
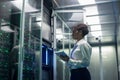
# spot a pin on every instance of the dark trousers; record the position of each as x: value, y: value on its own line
x: 80, y: 74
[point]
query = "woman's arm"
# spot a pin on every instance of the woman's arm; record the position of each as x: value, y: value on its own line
x: 82, y: 56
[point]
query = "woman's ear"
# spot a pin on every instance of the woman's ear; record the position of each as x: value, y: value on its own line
x: 80, y: 31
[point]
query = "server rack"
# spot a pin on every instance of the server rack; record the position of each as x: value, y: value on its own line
x: 21, y: 56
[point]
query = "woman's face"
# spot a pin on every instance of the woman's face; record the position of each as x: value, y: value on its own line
x: 75, y: 33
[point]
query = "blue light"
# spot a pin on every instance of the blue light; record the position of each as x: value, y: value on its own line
x: 46, y: 57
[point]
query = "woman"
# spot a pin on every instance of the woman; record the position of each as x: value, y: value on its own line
x: 79, y: 58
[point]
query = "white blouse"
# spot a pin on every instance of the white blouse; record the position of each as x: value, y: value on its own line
x: 80, y: 55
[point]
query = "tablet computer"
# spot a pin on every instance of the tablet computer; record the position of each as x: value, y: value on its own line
x: 61, y: 53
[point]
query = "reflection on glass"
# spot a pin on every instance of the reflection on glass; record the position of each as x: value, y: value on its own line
x: 6, y: 41
x: 10, y: 15
x: 32, y: 47
x: 28, y: 6
x: 5, y: 26
x: 6, y: 29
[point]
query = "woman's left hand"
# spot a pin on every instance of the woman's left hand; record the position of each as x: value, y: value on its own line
x: 64, y: 58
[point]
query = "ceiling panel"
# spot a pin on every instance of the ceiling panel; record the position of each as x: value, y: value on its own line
x: 100, y: 9
x: 72, y: 17
x: 105, y: 27
x: 101, y: 16
x: 104, y: 40
x: 59, y: 3
x: 108, y: 27
x: 99, y: 19
x: 107, y: 18
x: 76, y: 3
x: 105, y: 8
x: 104, y: 0
x: 103, y: 33
x: 108, y: 21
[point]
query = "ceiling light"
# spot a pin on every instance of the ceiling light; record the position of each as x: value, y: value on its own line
x: 58, y: 31
x: 77, y: 17
x: 93, y: 20
x: 96, y: 34
x: 95, y: 28
x: 59, y: 37
x: 85, y: 2
x: 91, y: 10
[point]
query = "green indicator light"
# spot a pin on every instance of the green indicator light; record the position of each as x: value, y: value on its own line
x: 2, y: 20
x: 9, y: 10
x: 4, y: 6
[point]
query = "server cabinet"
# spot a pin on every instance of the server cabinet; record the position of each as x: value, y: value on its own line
x: 118, y: 45
x: 47, y: 62
x: 21, y: 41
x: 6, y: 39
x: 22, y: 29
x: 5, y: 48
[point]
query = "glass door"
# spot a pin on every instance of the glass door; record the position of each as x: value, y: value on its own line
x: 30, y: 42
x: 32, y: 48
x: 63, y: 43
x: 8, y: 55
x: 20, y: 39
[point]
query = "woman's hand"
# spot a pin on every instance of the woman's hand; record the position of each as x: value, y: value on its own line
x: 64, y: 58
